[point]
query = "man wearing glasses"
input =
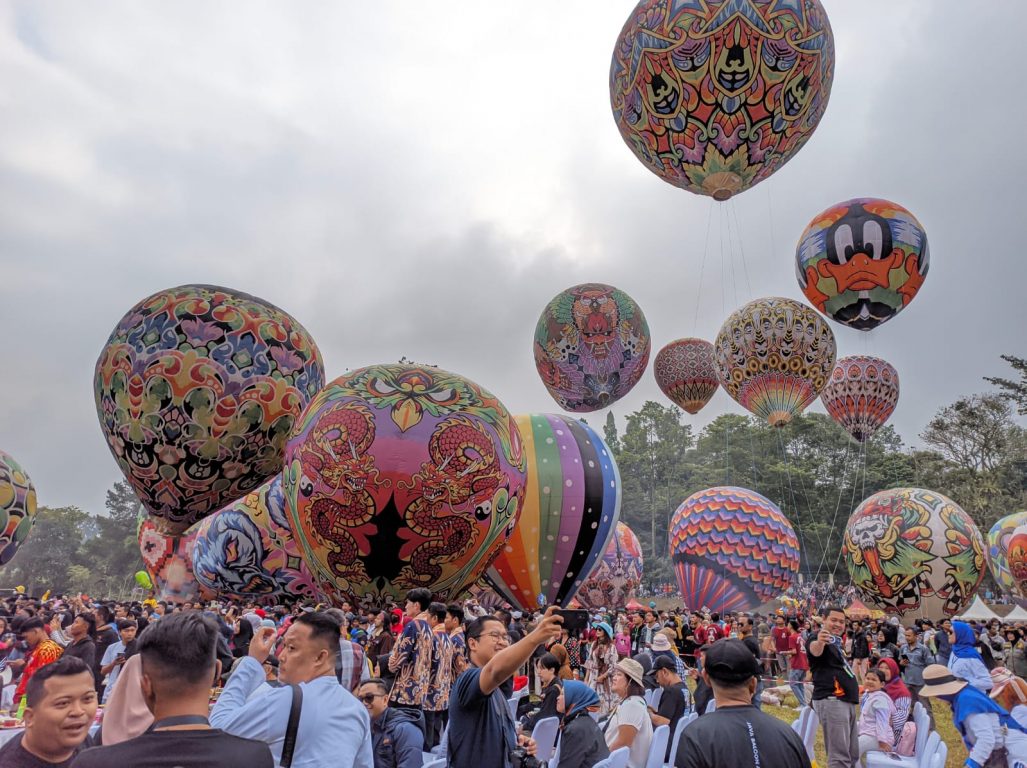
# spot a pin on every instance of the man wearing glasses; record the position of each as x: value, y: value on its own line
x: 395, y: 733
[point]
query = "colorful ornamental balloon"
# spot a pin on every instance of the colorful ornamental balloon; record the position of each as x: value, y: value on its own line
x: 774, y: 357
x: 686, y: 373
x: 484, y: 595
x: 402, y: 476
x: 732, y: 548
x: 569, y: 515
x: 168, y: 561
x: 860, y: 262
x: 618, y: 574
x: 197, y: 390
x: 713, y: 96
x: 861, y: 395
x: 998, y: 554
x: 911, y: 551
x: 247, y: 549
x: 591, y: 346
x: 17, y: 507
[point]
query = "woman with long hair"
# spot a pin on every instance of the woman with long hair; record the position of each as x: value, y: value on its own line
x: 380, y: 639
x: 630, y: 724
x: 561, y: 654
x: 602, y: 658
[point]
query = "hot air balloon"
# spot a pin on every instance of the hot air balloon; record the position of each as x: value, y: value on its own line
x: 570, y: 513
x: 774, y: 357
x: 686, y: 373
x: 618, y: 574
x: 912, y: 551
x: 861, y: 394
x: 862, y: 261
x: 591, y: 346
x: 402, y: 476
x: 17, y: 507
x: 732, y: 548
x: 484, y: 595
x: 168, y: 561
x: 715, y: 96
x: 196, y: 390
x: 998, y: 548
x: 247, y: 549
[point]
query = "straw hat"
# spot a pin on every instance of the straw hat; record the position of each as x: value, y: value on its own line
x: 632, y: 669
x: 939, y: 681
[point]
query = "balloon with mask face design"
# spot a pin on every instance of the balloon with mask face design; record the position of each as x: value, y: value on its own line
x: 774, y: 357
x: 17, y: 507
x: 570, y: 513
x: 862, y: 261
x: 591, y: 346
x: 686, y: 373
x: 998, y: 555
x: 715, y: 96
x: 861, y: 395
x: 196, y: 390
x: 913, y: 552
x: 618, y: 575
x: 168, y: 561
x: 402, y: 476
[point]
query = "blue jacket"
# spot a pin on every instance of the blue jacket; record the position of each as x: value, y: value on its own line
x: 396, y: 739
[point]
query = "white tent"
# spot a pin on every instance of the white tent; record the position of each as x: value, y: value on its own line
x: 978, y: 611
x: 1017, y: 614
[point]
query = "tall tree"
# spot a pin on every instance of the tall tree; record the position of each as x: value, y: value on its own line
x: 1016, y: 391
x: 44, y: 559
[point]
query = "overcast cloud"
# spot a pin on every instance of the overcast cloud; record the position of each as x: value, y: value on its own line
x: 419, y: 179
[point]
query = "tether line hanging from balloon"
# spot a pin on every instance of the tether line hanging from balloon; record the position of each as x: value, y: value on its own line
x: 702, y: 265
x: 795, y: 505
x: 852, y: 499
x: 838, y: 504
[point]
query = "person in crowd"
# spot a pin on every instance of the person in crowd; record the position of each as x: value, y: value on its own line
x: 581, y: 741
x: 481, y: 731
x: 178, y: 669
x: 602, y: 658
x: 436, y: 700
x: 105, y: 636
x: 125, y: 714
x: 116, y: 655
x: 41, y: 651
x: 82, y: 646
x: 630, y: 724
x: 455, y: 628
x: 675, y: 701
x: 887, y: 642
x: 914, y: 659
x: 876, y: 715
x: 60, y: 706
x: 1017, y: 647
x: 835, y: 691
x: 897, y: 691
x: 779, y: 638
x: 965, y: 660
x: 637, y: 633
x: 737, y: 734
x: 351, y: 665
x: 334, y: 729
x: 662, y: 645
x: 560, y: 652
x: 547, y: 669
x: 396, y: 737
x: 991, y: 637
x: 745, y: 634
x: 860, y: 650
x: 798, y: 663
x: 380, y: 639
x: 412, y: 655
x: 943, y: 643
x: 1010, y: 692
x: 984, y: 725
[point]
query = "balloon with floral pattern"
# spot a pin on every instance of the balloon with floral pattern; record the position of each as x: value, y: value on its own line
x: 17, y: 507
x: 614, y: 581
x: 861, y: 394
x: 686, y: 373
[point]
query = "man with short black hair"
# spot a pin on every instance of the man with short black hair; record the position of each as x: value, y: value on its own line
x: 351, y: 665
x: 395, y: 733
x: 104, y: 637
x: 333, y: 728
x: 60, y: 706
x: 116, y: 655
x: 413, y: 654
x: 737, y: 734
x: 81, y: 633
x: 835, y: 691
x: 436, y: 700
x: 42, y: 651
x: 178, y: 669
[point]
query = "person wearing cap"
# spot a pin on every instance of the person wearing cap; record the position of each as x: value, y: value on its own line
x: 630, y: 725
x: 1010, y: 693
x: 675, y: 700
x: 737, y: 734
x: 581, y: 741
x: 835, y: 691
x: 983, y: 724
x: 602, y: 658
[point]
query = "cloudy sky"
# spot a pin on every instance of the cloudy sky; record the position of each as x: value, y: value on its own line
x: 419, y: 179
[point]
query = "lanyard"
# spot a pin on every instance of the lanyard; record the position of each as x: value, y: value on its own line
x: 168, y: 722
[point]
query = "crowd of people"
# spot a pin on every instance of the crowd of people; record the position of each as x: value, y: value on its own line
x: 231, y: 683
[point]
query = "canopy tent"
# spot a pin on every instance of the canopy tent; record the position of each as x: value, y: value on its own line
x: 857, y: 610
x: 978, y: 611
x: 1017, y: 614
x: 634, y: 605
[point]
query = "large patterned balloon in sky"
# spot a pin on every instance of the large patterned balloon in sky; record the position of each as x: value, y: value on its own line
x: 732, y: 548
x: 618, y: 575
x: 17, y: 507
x: 774, y: 357
x: 591, y: 346
x: 197, y: 389
x: 914, y: 552
x: 998, y: 549
x: 247, y: 549
x: 402, y: 476
x: 862, y: 261
x: 861, y: 395
x: 686, y: 373
x: 168, y: 561
x: 713, y: 96
x: 570, y: 513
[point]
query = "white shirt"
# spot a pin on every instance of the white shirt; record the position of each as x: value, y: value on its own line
x: 971, y: 670
x: 985, y: 733
x: 633, y: 711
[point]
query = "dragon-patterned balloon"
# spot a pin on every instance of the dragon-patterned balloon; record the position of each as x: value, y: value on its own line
x: 686, y: 373
x: 591, y: 346
x: 713, y: 96
x: 17, y: 507
x: 774, y: 357
x: 862, y: 394
x: 862, y: 261
x: 402, y: 476
x: 998, y: 549
x: 168, y: 561
x: 197, y: 389
x: 247, y: 549
x: 618, y: 575
x: 914, y: 552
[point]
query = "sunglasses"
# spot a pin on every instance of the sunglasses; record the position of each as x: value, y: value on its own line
x: 367, y: 698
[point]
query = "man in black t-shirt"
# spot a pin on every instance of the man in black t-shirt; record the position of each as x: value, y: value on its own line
x: 835, y: 692
x: 675, y: 699
x: 737, y: 734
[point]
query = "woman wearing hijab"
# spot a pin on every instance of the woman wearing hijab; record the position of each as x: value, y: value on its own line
x: 898, y: 693
x: 602, y: 658
x: 986, y: 728
x: 965, y: 661
x: 581, y: 741
x: 125, y: 715
x: 1010, y: 693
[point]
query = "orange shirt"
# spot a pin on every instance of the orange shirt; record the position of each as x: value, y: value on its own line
x: 47, y: 652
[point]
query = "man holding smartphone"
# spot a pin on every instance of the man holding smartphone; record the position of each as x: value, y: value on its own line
x: 114, y: 657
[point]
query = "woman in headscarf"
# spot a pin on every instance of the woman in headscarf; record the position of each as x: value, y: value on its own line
x: 898, y: 693
x: 125, y: 715
x: 965, y: 660
x: 602, y: 658
x: 581, y: 744
x: 561, y: 654
x: 1010, y: 692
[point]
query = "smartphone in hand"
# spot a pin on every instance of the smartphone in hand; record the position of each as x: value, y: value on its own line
x: 573, y: 620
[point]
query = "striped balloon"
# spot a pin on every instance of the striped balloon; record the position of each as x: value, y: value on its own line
x: 732, y: 549
x: 570, y: 512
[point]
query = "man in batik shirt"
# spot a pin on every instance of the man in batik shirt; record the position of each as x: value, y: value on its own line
x: 436, y: 701
x: 412, y: 656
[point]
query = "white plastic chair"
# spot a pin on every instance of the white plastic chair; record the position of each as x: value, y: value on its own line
x: 512, y: 706
x: 711, y: 707
x: 658, y: 747
x: 809, y: 733
x: 655, y: 695
x: 678, y: 730
x: 937, y: 760
x: 544, y: 733
x: 799, y: 723
x: 443, y: 745
x: 921, y: 759
x: 617, y: 759
x: 435, y: 762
